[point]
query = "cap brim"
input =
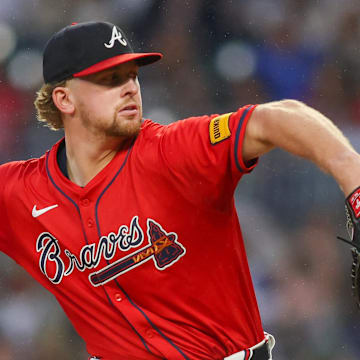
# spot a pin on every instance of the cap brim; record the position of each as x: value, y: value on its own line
x: 141, y: 58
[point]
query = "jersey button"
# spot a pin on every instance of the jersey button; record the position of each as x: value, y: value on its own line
x: 150, y: 333
x: 90, y: 223
x: 85, y: 202
x: 118, y: 297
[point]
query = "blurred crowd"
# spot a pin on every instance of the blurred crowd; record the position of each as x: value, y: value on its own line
x: 218, y: 55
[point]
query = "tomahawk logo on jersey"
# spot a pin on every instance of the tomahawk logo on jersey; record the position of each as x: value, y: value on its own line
x: 156, y: 226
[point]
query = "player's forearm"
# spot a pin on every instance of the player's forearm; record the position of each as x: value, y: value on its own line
x: 305, y: 132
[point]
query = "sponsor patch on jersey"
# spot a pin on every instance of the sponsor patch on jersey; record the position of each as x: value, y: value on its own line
x: 219, y: 128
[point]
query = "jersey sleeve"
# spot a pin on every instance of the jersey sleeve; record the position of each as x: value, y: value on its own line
x: 207, y: 150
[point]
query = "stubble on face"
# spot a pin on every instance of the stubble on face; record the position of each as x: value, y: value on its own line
x: 119, y: 126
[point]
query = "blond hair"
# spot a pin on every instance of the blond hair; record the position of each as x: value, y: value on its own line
x: 46, y: 110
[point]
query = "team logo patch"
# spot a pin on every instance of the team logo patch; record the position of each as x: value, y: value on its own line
x: 116, y: 35
x: 163, y: 248
x: 355, y: 202
x: 219, y: 128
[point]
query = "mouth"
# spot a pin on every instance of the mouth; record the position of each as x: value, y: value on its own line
x: 129, y: 110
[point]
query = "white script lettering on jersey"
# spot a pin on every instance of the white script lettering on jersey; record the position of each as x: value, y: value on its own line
x: 163, y: 248
x: 116, y: 35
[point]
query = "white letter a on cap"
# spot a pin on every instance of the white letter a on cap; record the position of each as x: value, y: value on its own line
x: 116, y: 35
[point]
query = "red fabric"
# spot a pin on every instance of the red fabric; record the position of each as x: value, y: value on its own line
x: 354, y: 201
x: 193, y: 300
x: 116, y: 60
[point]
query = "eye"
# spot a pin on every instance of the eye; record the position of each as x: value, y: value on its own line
x: 104, y: 78
x: 133, y: 75
x: 110, y: 79
x: 115, y: 78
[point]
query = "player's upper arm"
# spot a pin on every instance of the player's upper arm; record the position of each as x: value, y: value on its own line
x: 265, y: 126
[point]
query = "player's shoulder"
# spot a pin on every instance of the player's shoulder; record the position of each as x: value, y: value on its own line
x: 182, y: 131
x: 191, y: 121
x: 18, y: 169
x: 152, y: 127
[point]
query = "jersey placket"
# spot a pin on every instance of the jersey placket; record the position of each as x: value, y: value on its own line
x: 136, y: 316
x: 87, y: 210
x: 142, y: 324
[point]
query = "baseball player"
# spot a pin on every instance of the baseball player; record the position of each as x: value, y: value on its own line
x: 131, y: 224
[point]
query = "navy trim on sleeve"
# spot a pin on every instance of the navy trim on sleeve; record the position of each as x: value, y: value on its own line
x: 237, y: 137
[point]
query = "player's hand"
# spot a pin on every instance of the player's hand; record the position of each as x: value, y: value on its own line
x: 352, y: 210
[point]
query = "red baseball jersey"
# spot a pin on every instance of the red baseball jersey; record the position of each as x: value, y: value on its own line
x: 147, y: 260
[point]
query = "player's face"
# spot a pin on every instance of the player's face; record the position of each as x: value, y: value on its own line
x: 109, y: 102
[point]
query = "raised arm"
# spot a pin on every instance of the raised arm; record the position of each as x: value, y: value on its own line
x: 303, y: 131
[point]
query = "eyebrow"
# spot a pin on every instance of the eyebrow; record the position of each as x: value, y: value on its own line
x: 105, y: 72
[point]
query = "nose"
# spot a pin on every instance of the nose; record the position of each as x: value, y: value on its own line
x: 131, y: 87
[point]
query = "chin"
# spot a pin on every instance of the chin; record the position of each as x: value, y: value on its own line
x: 126, y: 129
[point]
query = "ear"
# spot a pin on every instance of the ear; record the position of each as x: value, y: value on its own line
x: 62, y: 99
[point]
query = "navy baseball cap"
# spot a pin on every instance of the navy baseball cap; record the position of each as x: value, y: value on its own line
x: 85, y: 48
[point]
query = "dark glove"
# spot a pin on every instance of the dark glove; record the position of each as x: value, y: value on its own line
x: 352, y: 211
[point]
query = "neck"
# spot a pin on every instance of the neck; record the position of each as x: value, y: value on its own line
x: 86, y: 158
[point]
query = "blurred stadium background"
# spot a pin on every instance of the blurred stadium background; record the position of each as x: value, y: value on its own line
x: 219, y: 55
